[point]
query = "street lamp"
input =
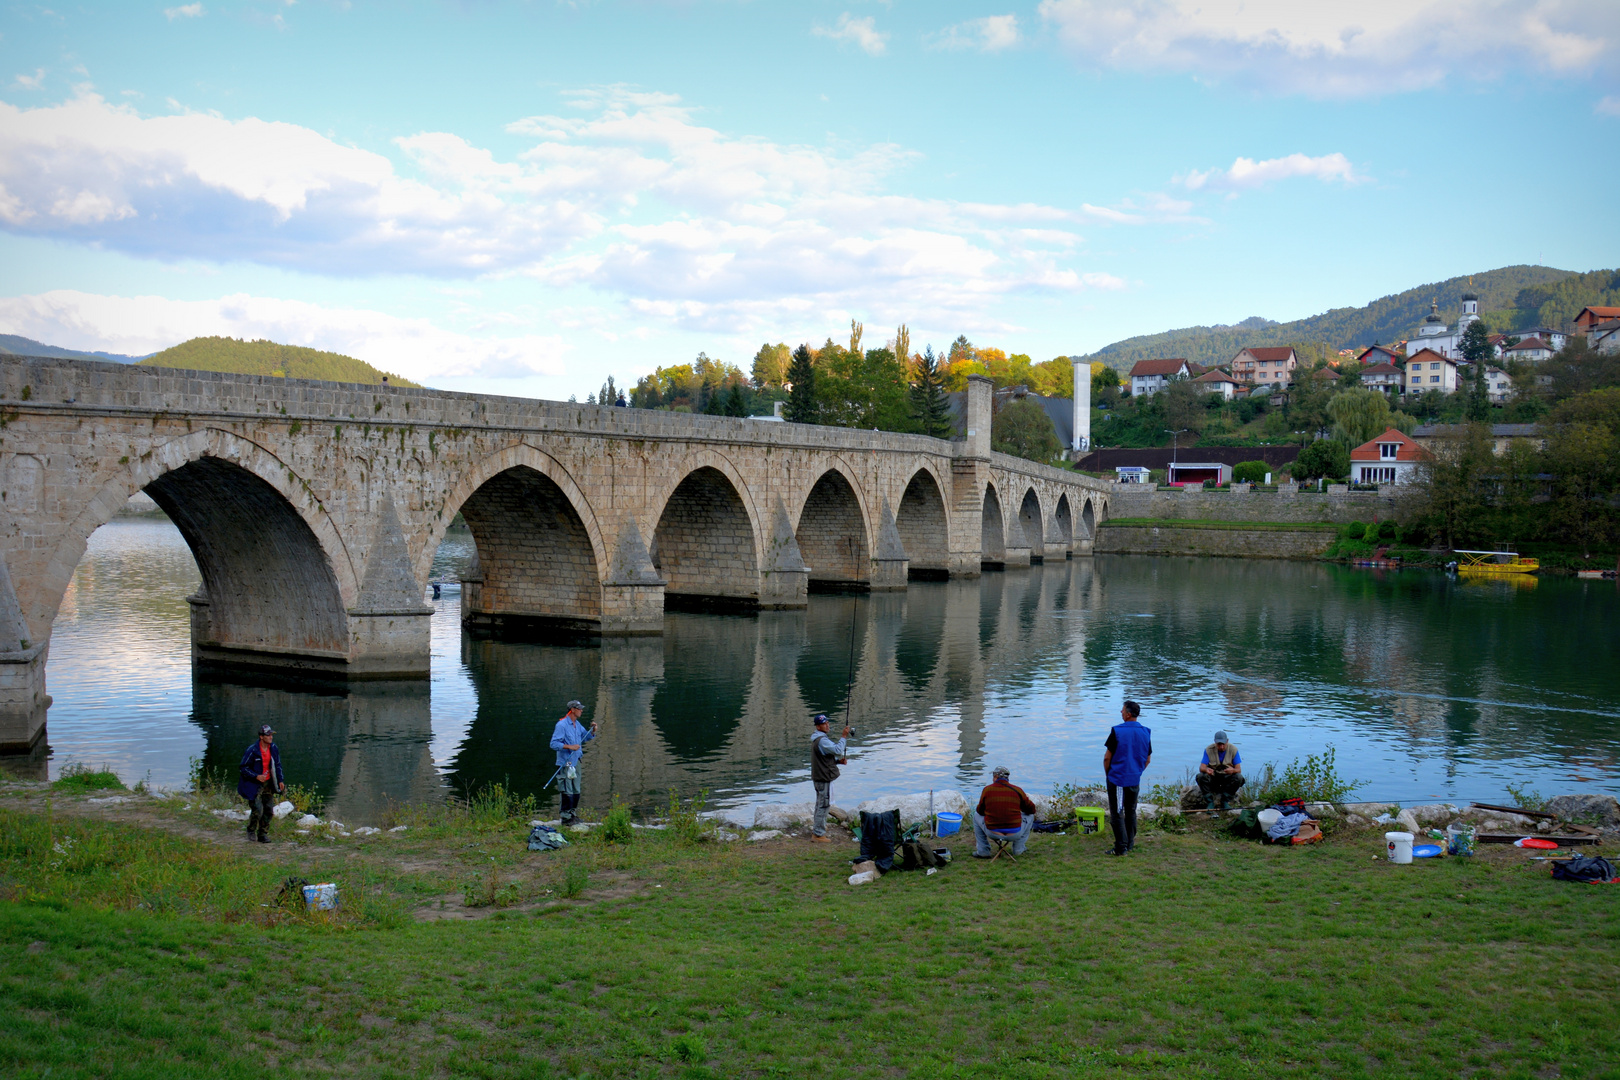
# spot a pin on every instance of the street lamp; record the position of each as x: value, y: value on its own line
x: 1174, y: 433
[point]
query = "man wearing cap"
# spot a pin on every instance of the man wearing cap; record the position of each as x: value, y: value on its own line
x: 259, y: 781
x: 569, y: 739
x: 825, y: 757
x: 1002, y: 805
x: 1220, y: 774
x: 1128, y: 751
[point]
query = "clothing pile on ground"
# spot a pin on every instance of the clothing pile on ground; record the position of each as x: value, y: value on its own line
x: 1590, y: 869
x: 1293, y: 825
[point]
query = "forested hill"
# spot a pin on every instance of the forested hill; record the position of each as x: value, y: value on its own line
x: 1511, y: 298
x: 21, y: 346
x: 268, y: 358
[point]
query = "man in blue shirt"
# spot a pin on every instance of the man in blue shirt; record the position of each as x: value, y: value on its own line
x: 1129, y: 751
x: 1220, y: 774
x: 569, y: 739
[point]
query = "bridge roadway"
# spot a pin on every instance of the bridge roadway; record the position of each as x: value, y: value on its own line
x: 314, y: 511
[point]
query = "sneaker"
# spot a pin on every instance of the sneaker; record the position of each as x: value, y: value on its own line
x: 821, y: 839
x: 1111, y: 851
x: 262, y: 838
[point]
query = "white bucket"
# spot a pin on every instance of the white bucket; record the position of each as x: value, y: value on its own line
x: 1400, y: 847
x: 1269, y: 817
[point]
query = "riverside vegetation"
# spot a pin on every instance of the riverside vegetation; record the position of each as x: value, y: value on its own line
x: 141, y: 938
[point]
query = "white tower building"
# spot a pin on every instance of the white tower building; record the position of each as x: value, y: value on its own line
x: 1082, y: 404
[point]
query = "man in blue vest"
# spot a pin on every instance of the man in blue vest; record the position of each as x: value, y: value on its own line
x: 568, y: 738
x: 1129, y: 751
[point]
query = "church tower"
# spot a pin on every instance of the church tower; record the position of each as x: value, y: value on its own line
x: 1470, y: 313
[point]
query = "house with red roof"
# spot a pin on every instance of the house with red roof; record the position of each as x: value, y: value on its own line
x: 1378, y: 354
x: 1386, y: 377
x: 1531, y: 349
x: 1151, y: 376
x: 1391, y: 458
x: 1259, y: 365
x: 1590, y: 316
x: 1217, y: 381
x: 1428, y: 370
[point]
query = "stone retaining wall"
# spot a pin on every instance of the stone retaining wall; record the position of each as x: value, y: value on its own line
x: 1143, y: 501
x: 1230, y: 543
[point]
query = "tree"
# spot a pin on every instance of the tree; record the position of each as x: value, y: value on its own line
x: 1476, y: 343
x: 1323, y: 457
x: 855, y: 331
x: 1022, y: 428
x: 610, y: 392
x: 1250, y: 472
x: 1359, y: 415
x: 770, y: 365
x: 1581, y: 458
x: 902, y: 344
x: 802, y: 407
x: 735, y: 406
x: 1183, y: 406
x: 1479, y: 397
x: 1577, y: 368
x: 1454, y: 478
x: 647, y: 394
x: 928, y: 403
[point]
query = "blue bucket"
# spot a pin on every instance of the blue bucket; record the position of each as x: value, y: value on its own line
x: 948, y: 823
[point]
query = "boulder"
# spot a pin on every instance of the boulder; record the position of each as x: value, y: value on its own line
x: 736, y: 817
x: 1497, y: 821
x: 283, y: 808
x: 402, y: 828
x: 1357, y: 821
x: 1191, y: 798
x: 765, y: 834
x: 863, y: 879
x: 1368, y: 810
x: 366, y: 830
x: 1408, y: 822
x: 781, y: 815
x: 840, y: 815
x: 914, y: 808
x: 309, y: 821
x: 232, y: 815
x: 1602, y: 811
x: 725, y: 836
x: 1321, y: 810
x: 1434, y: 815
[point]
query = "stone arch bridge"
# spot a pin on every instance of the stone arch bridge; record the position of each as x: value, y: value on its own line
x: 314, y: 511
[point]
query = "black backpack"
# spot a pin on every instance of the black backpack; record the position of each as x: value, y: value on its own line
x: 1589, y: 868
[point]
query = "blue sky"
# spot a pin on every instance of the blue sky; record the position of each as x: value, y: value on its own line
x: 526, y: 198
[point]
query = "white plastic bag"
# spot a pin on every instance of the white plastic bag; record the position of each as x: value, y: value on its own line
x: 321, y: 897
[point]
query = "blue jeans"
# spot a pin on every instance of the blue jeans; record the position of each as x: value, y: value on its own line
x: 981, y: 835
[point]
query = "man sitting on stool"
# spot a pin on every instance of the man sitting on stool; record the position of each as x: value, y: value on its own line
x: 1002, y: 805
x: 1220, y: 774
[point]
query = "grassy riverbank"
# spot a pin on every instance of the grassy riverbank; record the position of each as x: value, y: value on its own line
x: 144, y: 939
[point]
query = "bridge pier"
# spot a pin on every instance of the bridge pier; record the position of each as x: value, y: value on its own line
x: 23, y: 700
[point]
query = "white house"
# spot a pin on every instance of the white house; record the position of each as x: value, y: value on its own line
x: 1391, y: 458
x: 1151, y: 376
x: 1498, y: 385
x: 1384, y: 376
x: 1428, y: 370
x: 1531, y: 349
x: 1217, y: 382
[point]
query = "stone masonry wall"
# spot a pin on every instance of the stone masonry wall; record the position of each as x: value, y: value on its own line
x: 534, y: 558
x: 831, y: 537
x: 921, y: 524
x: 1142, y: 501
x: 704, y: 545
x: 1231, y: 543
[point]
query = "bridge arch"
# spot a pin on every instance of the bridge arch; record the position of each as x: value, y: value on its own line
x: 539, y: 557
x: 832, y: 533
x: 1029, y: 519
x: 1088, y: 521
x: 993, y: 532
x: 923, y: 521
x: 276, y: 576
x: 1063, y: 522
x: 705, y: 544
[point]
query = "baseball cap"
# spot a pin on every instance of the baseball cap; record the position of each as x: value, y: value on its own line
x: 821, y: 718
x: 266, y: 729
x: 575, y: 705
x: 1220, y: 736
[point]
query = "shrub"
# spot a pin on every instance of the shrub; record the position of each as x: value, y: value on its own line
x: 616, y: 827
x: 1356, y: 530
x: 77, y: 776
x: 1316, y: 780
x: 1324, y: 457
x: 686, y: 819
x: 1250, y: 472
x: 496, y: 804
x: 1388, y: 530
x: 575, y: 878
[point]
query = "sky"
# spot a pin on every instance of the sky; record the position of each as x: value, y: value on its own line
x: 525, y: 198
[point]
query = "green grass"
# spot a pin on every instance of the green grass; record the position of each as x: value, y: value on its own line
x: 238, y: 357
x: 1231, y: 526
x: 76, y: 776
x: 1194, y: 957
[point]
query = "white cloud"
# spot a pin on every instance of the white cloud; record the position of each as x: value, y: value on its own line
x: 862, y: 32
x: 184, y: 11
x: 31, y: 82
x: 1368, y: 48
x: 625, y: 196
x: 1247, y: 173
x: 414, y: 348
x: 991, y: 34
x: 1608, y: 106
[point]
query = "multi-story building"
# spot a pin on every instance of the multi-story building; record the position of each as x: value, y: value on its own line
x: 1259, y: 366
x: 1530, y: 350
x: 1428, y: 370
x: 1151, y: 376
x: 1391, y: 458
x: 1384, y: 376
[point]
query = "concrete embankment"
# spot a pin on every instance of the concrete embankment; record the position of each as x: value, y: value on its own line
x: 1225, y: 539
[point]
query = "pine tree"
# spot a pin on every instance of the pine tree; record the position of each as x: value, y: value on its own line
x: 802, y: 407
x: 734, y: 401
x: 928, y: 402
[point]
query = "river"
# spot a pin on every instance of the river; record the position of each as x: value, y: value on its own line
x: 1426, y: 686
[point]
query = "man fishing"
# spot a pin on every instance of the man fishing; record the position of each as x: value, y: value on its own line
x: 825, y: 757
x: 1220, y: 774
x: 569, y: 739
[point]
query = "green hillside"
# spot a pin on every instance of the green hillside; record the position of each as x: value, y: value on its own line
x: 268, y: 358
x: 14, y: 345
x: 1511, y: 298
